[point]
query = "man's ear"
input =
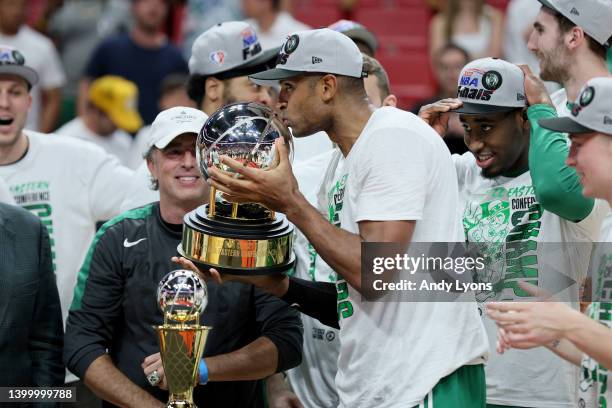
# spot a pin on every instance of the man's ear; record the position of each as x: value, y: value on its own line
x: 327, y: 87
x: 390, y: 100
x: 574, y: 38
x: 526, y: 126
x: 213, y: 89
x: 151, y: 165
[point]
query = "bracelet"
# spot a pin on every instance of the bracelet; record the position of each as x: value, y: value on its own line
x: 203, y: 372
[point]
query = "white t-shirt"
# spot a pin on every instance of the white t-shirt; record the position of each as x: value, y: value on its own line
x: 69, y: 185
x: 140, y: 190
x: 41, y: 55
x: 284, y: 25
x: 559, y: 99
x: 393, y: 353
x: 118, y: 143
x: 5, y: 194
x: 594, y: 376
x: 305, y: 148
x: 504, y: 213
x: 313, y: 380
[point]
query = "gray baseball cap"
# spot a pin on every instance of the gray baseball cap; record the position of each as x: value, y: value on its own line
x: 490, y: 85
x: 592, y: 111
x: 594, y: 16
x: 356, y: 32
x: 323, y: 50
x: 230, y: 48
x: 13, y: 62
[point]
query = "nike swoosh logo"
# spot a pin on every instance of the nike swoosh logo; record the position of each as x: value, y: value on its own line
x: 128, y: 244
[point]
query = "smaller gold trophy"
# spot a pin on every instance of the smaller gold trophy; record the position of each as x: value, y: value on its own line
x: 181, y: 296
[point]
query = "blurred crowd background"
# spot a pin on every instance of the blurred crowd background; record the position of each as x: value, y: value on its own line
x: 144, y: 47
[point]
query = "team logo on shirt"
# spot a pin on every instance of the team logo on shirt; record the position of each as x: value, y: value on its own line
x: 217, y: 57
x: 492, y: 80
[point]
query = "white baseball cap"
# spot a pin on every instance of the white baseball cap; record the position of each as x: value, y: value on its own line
x: 174, y: 122
x: 323, y: 50
x: 592, y: 111
x: 594, y: 16
x: 490, y: 85
x: 231, y: 47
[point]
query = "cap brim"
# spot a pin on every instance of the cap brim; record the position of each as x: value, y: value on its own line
x: 263, y: 61
x: 26, y: 73
x: 163, y: 143
x: 547, y: 4
x: 564, y: 124
x: 130, y: 121
x: 482, y: 109
x: 272, y: 76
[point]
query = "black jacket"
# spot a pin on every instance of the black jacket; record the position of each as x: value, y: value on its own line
x: 115, y: 308
x: 31, y: 331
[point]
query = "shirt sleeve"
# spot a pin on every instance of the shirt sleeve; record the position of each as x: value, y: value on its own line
x: 96, y: 303
x: 282, y: 325
x: 557, y: 186
x: 46, y: 337
x: 392, y: 173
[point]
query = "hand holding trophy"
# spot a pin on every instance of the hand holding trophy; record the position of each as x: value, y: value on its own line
x: 238, y: 238
x: 182, y: 296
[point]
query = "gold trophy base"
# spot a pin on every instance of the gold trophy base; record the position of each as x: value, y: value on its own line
x: 181, y: 348
x: 237, y: 246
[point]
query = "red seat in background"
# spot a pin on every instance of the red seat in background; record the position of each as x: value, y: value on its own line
x: 410, y: 76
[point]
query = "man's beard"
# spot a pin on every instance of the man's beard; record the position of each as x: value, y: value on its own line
x: 554, y: 65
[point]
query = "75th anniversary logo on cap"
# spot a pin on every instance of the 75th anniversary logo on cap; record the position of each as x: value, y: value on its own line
x: 491, y: 80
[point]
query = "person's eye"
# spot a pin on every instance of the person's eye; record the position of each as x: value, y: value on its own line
x: 486, y: 128
x: 466, y: 127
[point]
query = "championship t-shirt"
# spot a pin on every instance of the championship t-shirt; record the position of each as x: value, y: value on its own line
x: 393, y: 353
x: 504, y: 214
x: 594, y: 376
x: 313, y: 380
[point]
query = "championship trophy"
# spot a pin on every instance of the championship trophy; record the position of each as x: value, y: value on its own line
x: 234, y: 238
x: 181, y: 296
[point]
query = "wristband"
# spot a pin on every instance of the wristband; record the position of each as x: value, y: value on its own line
x: 203, y: 372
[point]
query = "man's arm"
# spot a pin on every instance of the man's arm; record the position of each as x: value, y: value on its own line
x: 108, y: 383
x: 557, y: 186
x: 342, y: 249
x: 82, y: 95
x: 50, y: 110
x: 46, y: 336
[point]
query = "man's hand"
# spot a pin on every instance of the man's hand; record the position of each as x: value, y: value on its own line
x: 530, y: 324
x: 154, y: 363
x: 535, y: 91
x: 279, y: 394
x: 438, y: 113
x: 275, y: 284
x: 275, y: 188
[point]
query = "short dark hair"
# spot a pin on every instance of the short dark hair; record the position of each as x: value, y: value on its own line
x: 452, y: 47
x: 565, y: 25
x: 196, y: 88
x: 371, y: 66
x: 172, y: 82
x: 276, y: 4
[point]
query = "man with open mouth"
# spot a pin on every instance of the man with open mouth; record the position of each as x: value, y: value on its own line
x: 518, y: 198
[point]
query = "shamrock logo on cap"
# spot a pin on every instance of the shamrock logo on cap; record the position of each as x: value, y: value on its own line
x: 587, y: 96
x: 291, y: 44
x: 492, y: 80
